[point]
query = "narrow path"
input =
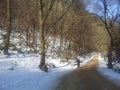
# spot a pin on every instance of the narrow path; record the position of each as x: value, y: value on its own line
x: 86, y: 78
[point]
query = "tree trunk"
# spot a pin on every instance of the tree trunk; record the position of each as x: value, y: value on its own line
x: 7, y: 37
x: 7, y: 42
x: 42, y: 35
x: 110, y: 66
x: 42, y: 46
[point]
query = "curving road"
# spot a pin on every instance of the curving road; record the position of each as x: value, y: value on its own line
x: 86, y: 78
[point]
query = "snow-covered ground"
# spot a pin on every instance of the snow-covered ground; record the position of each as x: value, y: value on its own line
x: 109, y: 73
x: 21, y: 72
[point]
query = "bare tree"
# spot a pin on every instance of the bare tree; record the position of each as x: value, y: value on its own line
x: 7, y: 36
x: 44, y: 12
x: 109, y: 12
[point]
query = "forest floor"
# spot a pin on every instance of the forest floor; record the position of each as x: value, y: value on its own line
x: 87, y: 78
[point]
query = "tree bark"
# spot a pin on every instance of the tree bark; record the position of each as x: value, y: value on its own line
x: 42, y: 37
x: 110, y: 58
x: 7, y: 37
x: 42, y: 46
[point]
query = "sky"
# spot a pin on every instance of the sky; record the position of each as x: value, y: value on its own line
x: 96, y: 6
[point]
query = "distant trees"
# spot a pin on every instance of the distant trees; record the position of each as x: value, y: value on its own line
x: 32, y: 25
x: 19, y: 21
x: 78, y: 30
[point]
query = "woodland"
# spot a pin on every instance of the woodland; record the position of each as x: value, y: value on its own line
x: 75, y: 26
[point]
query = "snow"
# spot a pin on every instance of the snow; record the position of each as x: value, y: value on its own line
x: 108, y: 73
x: 21, y: 72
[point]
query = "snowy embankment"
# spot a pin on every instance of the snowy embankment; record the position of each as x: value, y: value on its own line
x: 109, y: 73
x: 21, y: 72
